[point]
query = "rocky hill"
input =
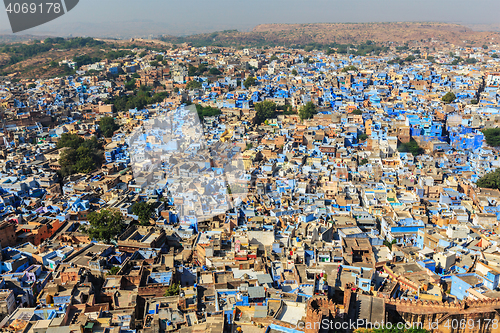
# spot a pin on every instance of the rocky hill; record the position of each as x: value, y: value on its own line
x: 341, y: 33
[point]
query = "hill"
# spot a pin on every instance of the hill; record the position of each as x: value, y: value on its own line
x: 339, y: 33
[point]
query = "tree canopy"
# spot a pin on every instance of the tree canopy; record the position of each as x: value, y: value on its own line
x: 108, y: 126
x: 490, y: 180
x: 264, y: 110
x: 172, y: 290
x: 191, y: 85
x: 250, y: 81
x: 449, y: 97
x: 411, y: 147
x: 105, y: 225
x: 82, y: 156
x: 307, y: 111
x: 349, y: 68
x: 143, y: 210
x: 139, y: 99
x: 207, y: 111
x: 492, y: 136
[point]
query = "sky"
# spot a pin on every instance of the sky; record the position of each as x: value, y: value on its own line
x: 140, y: 18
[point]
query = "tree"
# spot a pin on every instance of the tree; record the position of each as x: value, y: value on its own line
x: 294, y: 72
x: 143, y: 210
x: 349, y: 68
x: 105, y: 225
x: 108, y: 126
x: 390, y: 244
x: 83, y: 156
x: 207, y: 111
x: 172, y: 290
x: 411, y: 147
x: 362, y: 137
x: 192, y: 71
x: 70, y: 140
x: 191, y: 85
x: 357, y: 112
x: 363, y: 161
x: 494, y: 55
x: 490, y: 180
x: 153, y: 63
x: 273, y: 57
x: 264, y: 110
x: 485, y: 47
x: 410, y: 58
x: 492, y: 136
x: 449, y: 97
x: 249, y: 82
x: 474, y: 102
x: 113, y: 270
x: 214, y: 71
x: 307, y: 111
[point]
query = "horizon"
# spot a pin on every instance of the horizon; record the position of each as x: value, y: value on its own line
x: 126, y: 19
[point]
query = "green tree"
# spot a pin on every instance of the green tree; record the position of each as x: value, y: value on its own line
x: 273, y: 57
x: 153, y: 63
x: 108, y: 126
x: 490, y: 180
x: 173, y: 290
x: 214, y: 71
x: 70, y: 140
x: 294, y: 72
x: 474, y: 102
x: 207, y: 111
x: 192, y: 70
x: 82, y: 156
x: 492, y: 136
x: 357, y: 112
x: 362, y: 137
x: 143, y: 210
x: 349, y: 68
x: 113, y: 270
x: 191, y: 85
x: 411, y: 147
x: 249, y: 82
x: 390, y: 244
x: 363, y: 161
x: 449, y: 97
x: 264, y: 110
x: 105, y: 225
x: 130, y: 85
x: 307, y: 111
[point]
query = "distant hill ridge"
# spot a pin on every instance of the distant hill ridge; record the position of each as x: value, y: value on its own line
x: 340, y: 33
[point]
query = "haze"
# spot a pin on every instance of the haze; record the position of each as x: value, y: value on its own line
x: 126, y: 18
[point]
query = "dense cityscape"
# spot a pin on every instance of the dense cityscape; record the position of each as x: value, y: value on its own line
x: 271, y: 189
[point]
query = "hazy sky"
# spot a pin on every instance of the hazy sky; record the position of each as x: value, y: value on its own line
x: 128, y: 18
